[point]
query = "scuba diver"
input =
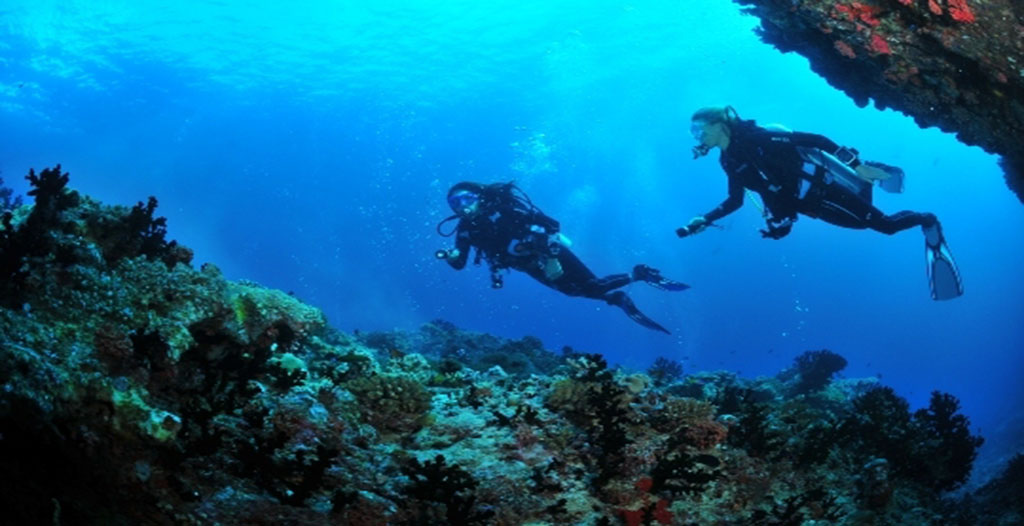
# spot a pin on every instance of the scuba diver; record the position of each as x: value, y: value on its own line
x: 509, y: 232
x: 803, y: 173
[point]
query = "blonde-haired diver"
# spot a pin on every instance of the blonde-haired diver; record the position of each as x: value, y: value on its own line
x: 804, y: 173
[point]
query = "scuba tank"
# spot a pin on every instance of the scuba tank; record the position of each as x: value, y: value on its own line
x: 834, y: 171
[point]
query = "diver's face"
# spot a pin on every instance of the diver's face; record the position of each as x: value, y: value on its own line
x: 464, y: 203
x: 697, y: 130
x: 709, y: 134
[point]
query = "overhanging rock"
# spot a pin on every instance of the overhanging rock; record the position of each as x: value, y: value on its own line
x: 954, y: 64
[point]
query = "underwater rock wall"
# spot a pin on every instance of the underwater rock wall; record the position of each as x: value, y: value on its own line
x: 954, y: 64
x: 140, y: 390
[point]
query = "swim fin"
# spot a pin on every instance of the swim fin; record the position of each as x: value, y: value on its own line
x: 654, y: 278
x: 943, y: 275
x: 621, y: 300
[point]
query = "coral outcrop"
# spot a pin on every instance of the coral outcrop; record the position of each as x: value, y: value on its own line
x: 140, y: 390
x: 954, y: 64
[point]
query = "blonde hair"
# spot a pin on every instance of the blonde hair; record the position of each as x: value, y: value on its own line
x: 715, y: 114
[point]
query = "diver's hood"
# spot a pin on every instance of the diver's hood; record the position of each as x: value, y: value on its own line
x: 466, y: 186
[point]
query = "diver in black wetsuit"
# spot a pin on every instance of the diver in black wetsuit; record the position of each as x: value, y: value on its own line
x: 508, y: 231
x: 803, y: 173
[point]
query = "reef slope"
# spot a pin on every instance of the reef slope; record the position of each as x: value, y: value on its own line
x: 138, y: 390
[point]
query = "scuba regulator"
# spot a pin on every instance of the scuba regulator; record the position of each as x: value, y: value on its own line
x: 497, y: 281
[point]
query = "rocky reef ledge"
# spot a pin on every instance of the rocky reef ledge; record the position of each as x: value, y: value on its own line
x: 138, y: 390
x: 954, y: 64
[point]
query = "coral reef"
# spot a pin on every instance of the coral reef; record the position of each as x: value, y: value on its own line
x: 813, y: 370
x: 954, y: 64
x: 665, y: 371
x: 140, y: 390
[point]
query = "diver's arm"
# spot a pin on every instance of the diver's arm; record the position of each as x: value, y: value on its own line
x: 731, y: 203
x: 457, y: 258
x: 812, y: 140
x: 847, y: 156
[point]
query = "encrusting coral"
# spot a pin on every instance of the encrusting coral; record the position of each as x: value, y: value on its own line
x: 141, y: 390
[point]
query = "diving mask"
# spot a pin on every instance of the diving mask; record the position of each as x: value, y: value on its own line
x: 464, y: 201
x: 698, y: 129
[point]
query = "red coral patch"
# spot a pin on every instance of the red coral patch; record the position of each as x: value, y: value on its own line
x: 862, y: 12
x: 960, y: 12
x: 845, y: 50
x: 879, y: 45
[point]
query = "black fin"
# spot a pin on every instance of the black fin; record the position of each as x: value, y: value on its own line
x: 621, y: 300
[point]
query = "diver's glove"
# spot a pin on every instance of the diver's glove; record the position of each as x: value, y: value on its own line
x: 554, y: 239
x: 448, y: 254
x: 540, y: 241
x: 778, y: 229
x: 695, y: 226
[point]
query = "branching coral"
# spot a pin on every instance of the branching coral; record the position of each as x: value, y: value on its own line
x: 442, y: 494
x: 679, y: 472
x: 934, y: 446
x: 946, y: 449
x: 665, y: 371
x: 816, y: 368
x: 137, y: 233
x: 35, y: 238
x: 754, y: 432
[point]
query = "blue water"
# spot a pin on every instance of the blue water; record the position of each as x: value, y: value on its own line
x: 308, y: 146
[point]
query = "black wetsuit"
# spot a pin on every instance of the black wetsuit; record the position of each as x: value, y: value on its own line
x: 502, y: 234
x: 768, y: 162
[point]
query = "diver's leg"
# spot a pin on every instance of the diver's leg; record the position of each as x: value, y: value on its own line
x: 842, y: 208
x: 943, y: 274
x: 837, y: 207
x: 653, y: 277
x: 578, y: 280
x: 900, y: 221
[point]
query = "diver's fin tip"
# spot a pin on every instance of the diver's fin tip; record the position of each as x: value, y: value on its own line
x: 623, y: 301
x: 943, y: 275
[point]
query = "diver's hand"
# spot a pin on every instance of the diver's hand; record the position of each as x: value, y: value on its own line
x: 872, y: 173
x: 778, y: 229
x: 695, y: 226
x: 775, y: 233
x: 449, y: 255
